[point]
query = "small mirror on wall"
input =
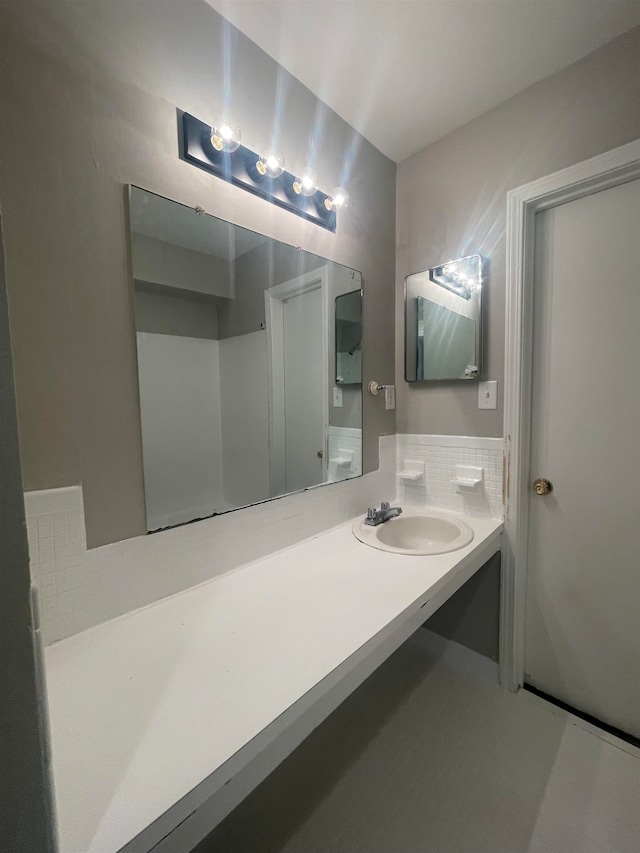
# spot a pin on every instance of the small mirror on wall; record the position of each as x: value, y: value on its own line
x: 349, y: 338
x: 443, y: 322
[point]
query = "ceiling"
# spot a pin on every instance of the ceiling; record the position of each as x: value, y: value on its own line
x: 406, y: 73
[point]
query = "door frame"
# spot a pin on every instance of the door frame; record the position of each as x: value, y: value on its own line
x: 274, y: 298
x: 614, y: 167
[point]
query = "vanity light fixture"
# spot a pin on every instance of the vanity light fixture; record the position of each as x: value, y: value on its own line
x: 218, y: 150
x: 307, y: 183
x: 462, y: 276
x: 270, y: 163
x: 338, y: 199
x: 225, y: 135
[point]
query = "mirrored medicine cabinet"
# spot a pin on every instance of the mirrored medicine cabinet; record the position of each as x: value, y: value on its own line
x: 443, y: 340
x: 348, y: 326
x: 240, y: 340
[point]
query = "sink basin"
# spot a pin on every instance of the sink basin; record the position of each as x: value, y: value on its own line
x: 415, y: 532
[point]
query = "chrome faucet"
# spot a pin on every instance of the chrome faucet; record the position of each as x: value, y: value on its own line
x: 379, y: 516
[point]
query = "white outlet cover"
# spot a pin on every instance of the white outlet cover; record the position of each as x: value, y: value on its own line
x: 390, y: 397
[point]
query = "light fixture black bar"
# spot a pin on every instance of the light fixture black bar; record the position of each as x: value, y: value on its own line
x: 239, y: 168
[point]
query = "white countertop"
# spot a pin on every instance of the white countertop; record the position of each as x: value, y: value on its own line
x: 147, y: 707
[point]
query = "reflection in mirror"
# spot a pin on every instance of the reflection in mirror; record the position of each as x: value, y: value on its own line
x: 443, y: 321
x: 236, y: 364
x: 349, y: 338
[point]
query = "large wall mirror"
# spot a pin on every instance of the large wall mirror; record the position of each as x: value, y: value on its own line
x: 237, y: 363
x: 443, y: 322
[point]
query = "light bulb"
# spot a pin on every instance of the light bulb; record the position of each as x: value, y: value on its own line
x: 271, y: 163
x: 307, y: 183
x: 338, y: 198
x: 225, y: 135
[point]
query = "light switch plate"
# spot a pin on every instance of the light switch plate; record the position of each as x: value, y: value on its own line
x: 390, y: 397
x: 488, y: 395
x: 337, y: 397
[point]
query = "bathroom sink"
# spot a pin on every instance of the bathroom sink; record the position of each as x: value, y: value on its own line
x: 416, y: 532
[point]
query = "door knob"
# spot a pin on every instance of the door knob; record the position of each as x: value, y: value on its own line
x: 542, y: 486
x: 319, y: 454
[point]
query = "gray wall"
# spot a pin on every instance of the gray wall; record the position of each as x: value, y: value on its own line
x: 170, y: 314
x: 472, y: 615
x: 174, y: 266
x: 452, y: 202
x: 26, y: 811
x: 256, y: 271
x: 266, y: 266
x: 89, y: 93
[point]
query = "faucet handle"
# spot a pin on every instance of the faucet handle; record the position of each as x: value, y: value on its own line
x: 384, y: 506
x: 372, y: 513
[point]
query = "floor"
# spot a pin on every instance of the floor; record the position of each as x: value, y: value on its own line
x: 430, y: 754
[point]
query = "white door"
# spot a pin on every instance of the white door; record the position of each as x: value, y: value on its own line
x: 582, y: 641
x: 303, y: 390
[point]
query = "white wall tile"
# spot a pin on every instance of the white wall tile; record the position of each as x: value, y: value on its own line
x: 345, y: 453
x: 441, y: 454
x: 79, y: 588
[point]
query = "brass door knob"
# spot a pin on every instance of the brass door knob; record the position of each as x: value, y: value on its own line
x: 542, y: 486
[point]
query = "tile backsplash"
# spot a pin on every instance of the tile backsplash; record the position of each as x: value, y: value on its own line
x: 440, y: 454
x: 345, y: 453
x: 79, y: 588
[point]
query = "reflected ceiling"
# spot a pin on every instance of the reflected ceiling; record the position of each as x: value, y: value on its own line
x: 176, y: 224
